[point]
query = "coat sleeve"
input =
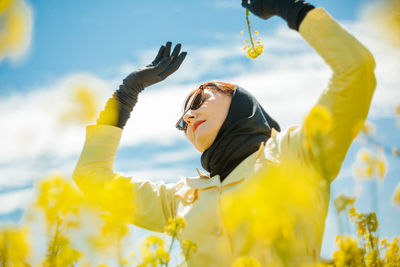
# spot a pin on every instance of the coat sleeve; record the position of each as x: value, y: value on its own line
x: 347, y: 96
x: 154, y: 203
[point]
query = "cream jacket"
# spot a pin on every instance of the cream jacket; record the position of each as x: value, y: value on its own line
x: 347, y: 96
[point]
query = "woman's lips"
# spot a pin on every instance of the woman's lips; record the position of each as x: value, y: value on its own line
x: 196, y: 124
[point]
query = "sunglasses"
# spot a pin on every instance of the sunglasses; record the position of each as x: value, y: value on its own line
x: 197, y: 100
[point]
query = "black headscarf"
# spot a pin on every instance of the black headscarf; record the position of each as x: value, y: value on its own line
x: 245, y: 127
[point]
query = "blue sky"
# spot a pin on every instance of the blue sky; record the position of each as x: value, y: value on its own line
x: 99, y: 42
x: 96, y: 36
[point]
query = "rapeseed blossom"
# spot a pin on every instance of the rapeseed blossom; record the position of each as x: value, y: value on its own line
x: 83, y: 104
x: 278, y: 210
x: 188, y: 248
x: 392, y: 252
x: 15, y: 29
x: 14, y: 246
x: 387, y: 14
x: 246, y: 262
x: 396, y: 196
x: 175, y: 226
x: 57, y: 198
x: 349, y: 254
x: 154, y: 252
x: 60, y: 201
x: 252, y: 50
x: 343, y: 202
x: 368, y: 165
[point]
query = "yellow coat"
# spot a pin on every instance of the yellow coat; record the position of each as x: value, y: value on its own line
x: 198, y: 200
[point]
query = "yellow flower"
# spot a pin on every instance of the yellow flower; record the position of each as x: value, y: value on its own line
x: 318, y: 121
x: 57, y: 198
x: 277, y: 209
x: 188, y: 247
x: 368, y: 128
x: 5, y: 4
x: 114, y: 201
x: 392, y: 255
x: 245, y: 41
x: 348, y: 254
x: 246, y: 262
x: 342, y: 202
x: 84, y: 106
x: 14, y: 246
x: 396, y: 196
x: 241, y: 32
x: 153, y: 251
x: 365, y: 155
x: 256, y: 32
x: 175, y: 226
x: 352, y: 212
x: 387, y: 14
x: 368, y: 165
x: 259, y: 49
x: 16, y: 28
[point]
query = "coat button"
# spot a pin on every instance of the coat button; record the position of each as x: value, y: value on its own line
x: 217, y: 231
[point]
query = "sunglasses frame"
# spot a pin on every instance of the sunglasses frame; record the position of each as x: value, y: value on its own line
x: 200, y: 91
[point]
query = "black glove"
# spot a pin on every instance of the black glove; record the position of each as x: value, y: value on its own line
x: 293, y: 11
x: 161, y: 67
x: 125, y: 98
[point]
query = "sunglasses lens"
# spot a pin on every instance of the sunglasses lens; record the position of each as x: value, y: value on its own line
x: 197, y: 100
x: 182, y: 125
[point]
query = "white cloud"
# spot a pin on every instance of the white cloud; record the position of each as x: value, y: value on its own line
x: 15, y: 200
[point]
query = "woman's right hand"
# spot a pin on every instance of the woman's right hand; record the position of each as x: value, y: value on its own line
x: 162, y: 66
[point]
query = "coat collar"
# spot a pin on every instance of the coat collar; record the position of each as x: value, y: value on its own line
x: 241, y: 172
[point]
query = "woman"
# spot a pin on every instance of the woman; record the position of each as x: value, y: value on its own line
x: 230, y: 128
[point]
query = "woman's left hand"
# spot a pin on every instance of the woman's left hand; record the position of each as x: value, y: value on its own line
x: 162, y: 66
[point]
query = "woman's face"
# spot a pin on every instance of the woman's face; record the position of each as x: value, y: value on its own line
x: 204, y: 123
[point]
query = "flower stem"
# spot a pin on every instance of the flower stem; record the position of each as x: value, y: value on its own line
x: 249, y: 30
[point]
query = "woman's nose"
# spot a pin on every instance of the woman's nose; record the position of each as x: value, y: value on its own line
x: 189, y: 117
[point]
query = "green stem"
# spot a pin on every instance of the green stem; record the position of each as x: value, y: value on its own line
x: 170, y: 248
x: 53, y: 250
x: 248, y: 28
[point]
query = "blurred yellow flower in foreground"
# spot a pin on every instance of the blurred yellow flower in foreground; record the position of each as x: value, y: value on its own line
x: 348, y: 254
x: 392, y: 252
x: 57, y: 198
x: 114, y: 201
x: 15, y: 29
x: 175, y: 226
x: 14, y: 246
x: 387, y: 14
x: 396, y: 196
x: 188, y: 247
x: 279, y: 211
x: 153, y: 251
x: 246, y: 262
x: 83, y: 106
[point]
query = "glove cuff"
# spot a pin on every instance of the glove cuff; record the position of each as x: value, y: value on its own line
x: 119, y: 107
x: 294, y: 12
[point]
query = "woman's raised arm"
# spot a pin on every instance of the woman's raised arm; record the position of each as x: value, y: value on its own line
x: 154, y: 202
x: 347, y: 96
